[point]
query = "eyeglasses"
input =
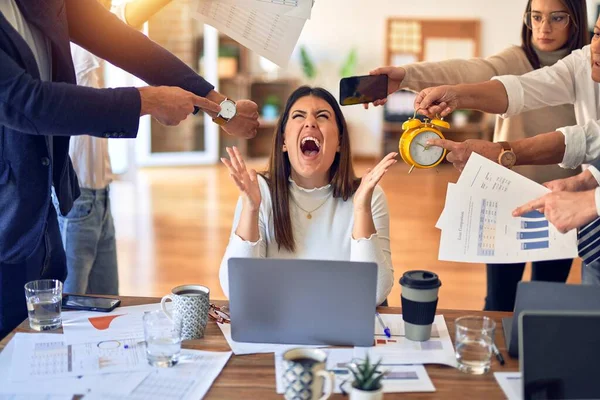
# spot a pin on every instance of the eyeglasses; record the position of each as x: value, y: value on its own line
x: 219, y: 314
x: 557, y: 20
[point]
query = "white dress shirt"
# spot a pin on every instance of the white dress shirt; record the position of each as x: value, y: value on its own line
x: 89, y: 154
x: 569, y: 81
x: 38, y: 43
x: 326, y: 236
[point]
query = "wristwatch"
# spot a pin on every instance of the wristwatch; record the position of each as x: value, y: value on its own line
x: 228, y: 111
x: 507, y: 157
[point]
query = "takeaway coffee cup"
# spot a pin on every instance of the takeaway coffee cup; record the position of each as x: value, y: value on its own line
x: 419, y: 301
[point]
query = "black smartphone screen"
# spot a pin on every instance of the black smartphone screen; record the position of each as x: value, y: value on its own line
x: 363, y: 89
x: 75, y: 302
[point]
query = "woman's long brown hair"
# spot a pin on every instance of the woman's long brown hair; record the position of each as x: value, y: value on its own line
x: 578, y: 31
x: 341, y: 173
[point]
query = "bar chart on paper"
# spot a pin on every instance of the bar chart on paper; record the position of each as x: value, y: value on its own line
x: 534, y: 233
x: 486, y: 240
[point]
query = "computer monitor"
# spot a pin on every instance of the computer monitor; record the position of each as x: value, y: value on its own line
x: 559, y: 354
x: 538, y: 296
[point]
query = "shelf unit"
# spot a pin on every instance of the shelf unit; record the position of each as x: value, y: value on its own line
x: 232, y: 69
x: 409, y: 40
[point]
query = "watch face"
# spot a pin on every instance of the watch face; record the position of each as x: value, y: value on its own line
x: 227, y: 109
x: 508, y: 159
x: 423, y: 154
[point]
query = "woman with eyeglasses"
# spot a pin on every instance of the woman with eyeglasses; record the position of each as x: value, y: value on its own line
x: 308, y: 203
x: 551, y: 30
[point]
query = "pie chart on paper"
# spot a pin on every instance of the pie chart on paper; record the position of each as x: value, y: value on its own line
x: 103, y: 323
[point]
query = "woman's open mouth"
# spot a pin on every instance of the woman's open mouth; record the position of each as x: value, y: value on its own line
x: 310, y: 146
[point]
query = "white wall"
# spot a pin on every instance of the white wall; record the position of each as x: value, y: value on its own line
x: 337, y: 26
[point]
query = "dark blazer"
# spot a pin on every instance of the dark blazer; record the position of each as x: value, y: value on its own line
x: 37, y: 118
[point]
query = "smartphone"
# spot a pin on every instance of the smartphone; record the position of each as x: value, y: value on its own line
x: 89, y: 303
x: 363, y: 89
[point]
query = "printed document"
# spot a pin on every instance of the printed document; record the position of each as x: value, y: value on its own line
x: 121, y: 323
x: 270, y: 35
x: 478, y: 226
x: 290, y: 8
x: 400, y: 350
x: 191, y: 379
x: 114, y: 384
x: 37, y: 357
x: 511, y: 384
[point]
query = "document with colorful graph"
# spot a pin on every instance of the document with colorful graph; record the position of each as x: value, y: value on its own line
x: 478, y: 226
x: 37, y: 357
x: 121, y: 323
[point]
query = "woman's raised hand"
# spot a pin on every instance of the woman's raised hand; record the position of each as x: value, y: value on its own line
x: 245, y: 180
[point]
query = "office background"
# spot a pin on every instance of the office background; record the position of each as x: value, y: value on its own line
x: 173, y: 203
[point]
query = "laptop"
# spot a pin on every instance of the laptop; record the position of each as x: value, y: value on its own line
x: 311, y: 302
x: 538, y: 296
x: 559, y: 351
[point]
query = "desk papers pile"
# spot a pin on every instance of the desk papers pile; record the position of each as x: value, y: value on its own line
x: 101, y: 362
x: 477, y: 223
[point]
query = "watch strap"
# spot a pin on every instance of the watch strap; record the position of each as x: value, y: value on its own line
x: 220, y: 120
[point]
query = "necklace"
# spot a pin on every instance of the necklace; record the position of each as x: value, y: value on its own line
x: 309, y: 213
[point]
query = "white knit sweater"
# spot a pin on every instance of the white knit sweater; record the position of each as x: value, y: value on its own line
x: 326, y: 236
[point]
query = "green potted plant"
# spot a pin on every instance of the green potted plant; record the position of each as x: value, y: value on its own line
x: 308, y: 66
x: 367, y: 380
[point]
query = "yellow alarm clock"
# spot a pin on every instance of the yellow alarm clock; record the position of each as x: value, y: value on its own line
x: 413, y: 143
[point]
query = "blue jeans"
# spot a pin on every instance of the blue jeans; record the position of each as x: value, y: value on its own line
x: 88, y: 235
x: 46, y: 261
x: 590, y: 273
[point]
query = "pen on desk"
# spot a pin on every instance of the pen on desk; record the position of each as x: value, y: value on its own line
x: 498, y: 354
x: 386, y: 330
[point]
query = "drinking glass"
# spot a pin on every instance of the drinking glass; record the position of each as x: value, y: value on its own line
x: 44, y: 303
x: 474, y: 340
x: 163, y: 338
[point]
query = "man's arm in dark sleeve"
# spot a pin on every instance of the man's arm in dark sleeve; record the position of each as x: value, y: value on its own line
x: 96, y: 29
x: 53, y: 108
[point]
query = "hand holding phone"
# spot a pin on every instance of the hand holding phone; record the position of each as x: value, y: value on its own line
x: 89, y: 303
x: 363, y: 89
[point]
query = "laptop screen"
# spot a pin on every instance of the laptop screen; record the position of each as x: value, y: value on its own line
x: 560, y: 354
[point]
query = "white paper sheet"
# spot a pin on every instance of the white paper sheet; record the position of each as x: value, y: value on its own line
x: 188, y: 380
x: 41, y: 357
x: 399, y: 350
x: 241, y: 348
x: 121, y: 384
x: 272, y: 36
x: 290, y: 8
x: 477, y: 222
x: 121, y: 323
x: 399, y: 378
x: 511, y: 384
x: 14, y: 396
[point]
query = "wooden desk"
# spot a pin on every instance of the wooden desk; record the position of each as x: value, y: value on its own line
x: 253, y: 376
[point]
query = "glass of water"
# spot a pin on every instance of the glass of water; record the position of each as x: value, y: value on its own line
x: 163, y: 338
x: 43, y: 304
x: 474, y: 339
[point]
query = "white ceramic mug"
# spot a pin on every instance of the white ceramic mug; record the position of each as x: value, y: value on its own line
x: 191, y: 305
x: 305, y: 376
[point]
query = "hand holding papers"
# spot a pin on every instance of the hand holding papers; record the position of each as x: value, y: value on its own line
x: 478, y: 226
